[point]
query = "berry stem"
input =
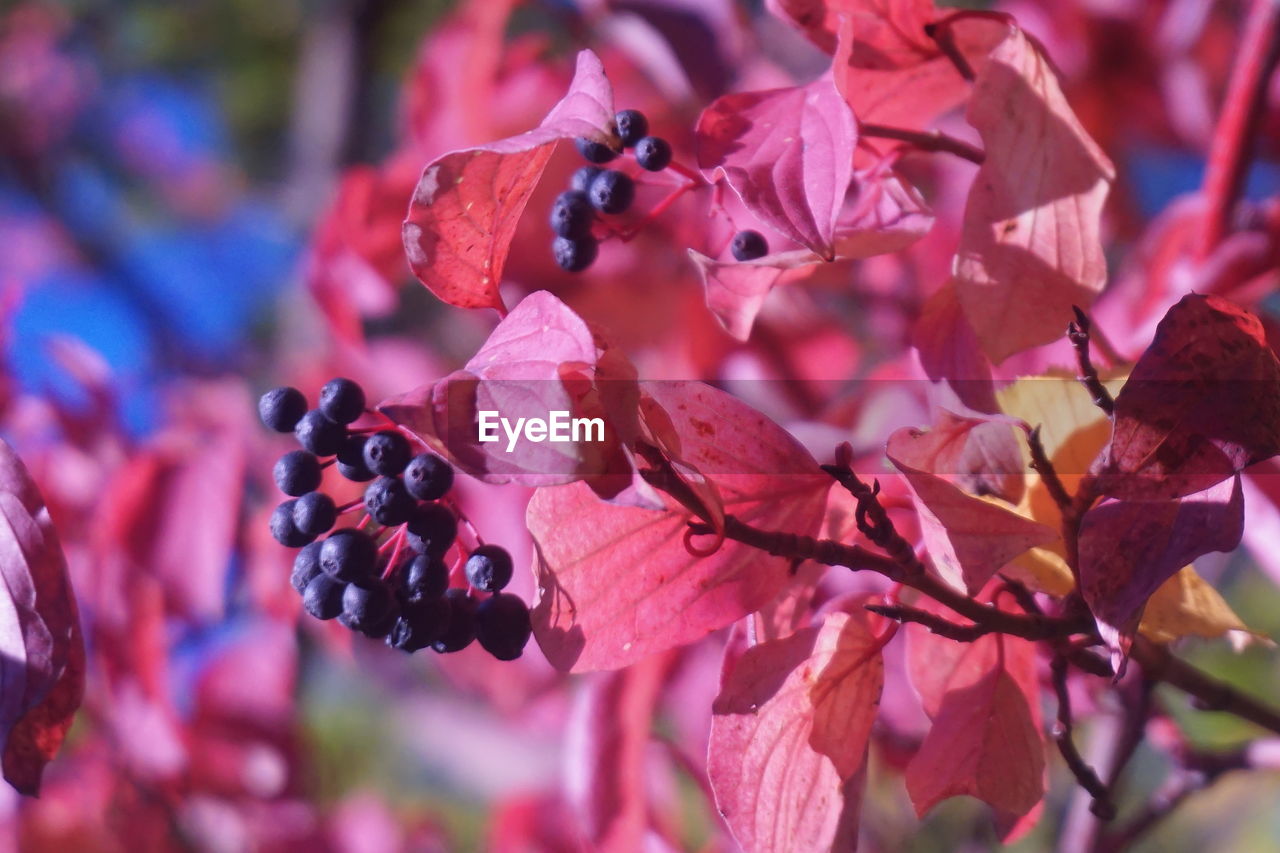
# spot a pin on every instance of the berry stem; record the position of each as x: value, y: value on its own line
x: 660, y: 208
x: 688, y: 174
x: 925, y: 140
x: 347, y: 507
x: 467, y: 523
x: 397, y: 543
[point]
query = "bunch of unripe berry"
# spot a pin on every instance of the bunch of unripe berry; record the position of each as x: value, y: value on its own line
x: 386, y: 577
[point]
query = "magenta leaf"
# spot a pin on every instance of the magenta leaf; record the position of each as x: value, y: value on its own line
x: 41, y: 650
x: 787, y: 153
x: 1031, y: 244
x: 1129, y: 548
x: 949, y: 351
x: 1201, y: 404
x: 466, y: 206
x: 890, y: 33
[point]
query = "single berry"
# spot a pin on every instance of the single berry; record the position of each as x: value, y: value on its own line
x: 420, y: 624
x: 314, y: 513
x: 571, y: 214
x: 581, y: 180
x: 387, y: 453
x: 283, y: 529
x: 318, y: 434
x: 575, y: 255
x: 612, y: 191
x: 749, y: 245
x: 349, y: 555
x: 342, y: 400
x: 367, y: 606
x: 594, y: 152
x: 305, y: 566
x: 461, y: 628
x: 351, y: 460
x: 426, y: 576
x: 388, y: 502
x: 323, y: 596
x: 632, y: 127
x: 502, y: 625
x: 653, y: 153
x: 281, y: 408
x: 297, y: 472
x: 432, y: 529
x: 428, y: 477
x: 489, y: 568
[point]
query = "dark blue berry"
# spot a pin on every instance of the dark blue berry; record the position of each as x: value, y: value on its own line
x: 575, y: 255
x: 322, y: 597
x: 349, y: 555
x: 342, y: 400
x: 428, y: 477
x: 581, y: 180
x: 419, y: 625
x: 314, y: 513
x: 367, y: 606
x: 283, y: 529
x: 653, y: 153
x: 318, y: 434
x: 502, y: 626
x: 387, y: 453
x: 571, y: 214
x: 489, y: 568
x: 594, y: 152
x: 632, y: 127
x: 388, y: 502
x: 351, y: 460
x: 431, y: 529
x: 281, y: 408
x: 425, y: 576
x: 612, y: 191
x: 461, y: 628
x: 297, y: 472
x: 305, y: 566
x: 749, y: 245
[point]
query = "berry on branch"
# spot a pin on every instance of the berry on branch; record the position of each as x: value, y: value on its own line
x: 489, y: 568
x: 594, y: 152
x: 349, y: 555
x: 281, y: 408
x: 428, y: 477
x: 632, y: 126
x: 653, y: 153
x: 342, y: 400
x: 318, y: 434
x: 388, y: 502
x: 612, y: 191
x: 571, y: 214
x: 503, y: 626
x: 296, y: 473
x: 749, y: 245
x: 387, y: 453
x: 575, y: 255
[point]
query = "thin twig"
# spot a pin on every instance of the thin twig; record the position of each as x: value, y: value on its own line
x: 1048, y: 474
x: 935, y: 623
x: 1102, y: 806
x: 1159, y: 664
x: 946, y: 42
x: 925, y: 140
x: 1078, y: 333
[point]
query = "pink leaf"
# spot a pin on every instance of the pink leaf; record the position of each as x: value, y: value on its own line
x: 1031, y: 245
x: 608, y: 574
x: 890, y: 33
x: 787, y: 153
x: 789, y: 736
x: 1129, y: 548
x: 1201, y: 404
x: 42, y: 660
x: 465, y: 209
x: 949, y: 351
x: 983, y: 456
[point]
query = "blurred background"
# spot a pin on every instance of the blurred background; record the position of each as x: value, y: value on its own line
x: 201, y: 199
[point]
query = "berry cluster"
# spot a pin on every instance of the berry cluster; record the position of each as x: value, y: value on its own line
x: 392, y: 579
x: 595, y: 190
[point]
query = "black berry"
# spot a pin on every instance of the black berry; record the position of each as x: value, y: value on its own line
x: 612, y: 191
x: 297, y: 472
x: 632, y: 127
x: 461, y: 629
x: 314, y: 513
x: 749, y: 245
x: 653, y: 153
x: 283, y: 528
x: 489, y: 568
x: 305, y: 566
x: 432, y: 529
x: 426, y: 576
x: 388, y: 502
x: 594, y: 152
x: 281, y: 408
x: 387, y: 453
x: 581, y: 180
x: 419, y: 625
x: 428, y: 477
x: 575, y: 255
x: 323, y: 597
x: 571, y: 214
x: 349, y: 555
x: 351, y: 460
x: 366, y: 606
x: 341, y: 400
x: 318, y: 434
x: 502, y: 626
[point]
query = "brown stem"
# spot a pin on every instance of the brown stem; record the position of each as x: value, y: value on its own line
x: 1102, y: 805
x: 1048, y: 474
x: 1078, y: 333
x: 936, y: 624
x: 1210, y: 694
x: 925, y: 140
x: 945, y: 39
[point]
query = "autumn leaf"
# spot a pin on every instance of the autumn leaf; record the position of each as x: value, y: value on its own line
x: 890, y: 34
x: 1185, y: 605
x: 949, y: 350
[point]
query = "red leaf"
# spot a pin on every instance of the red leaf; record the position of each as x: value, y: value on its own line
x: 981, y: 455
x: 1129, y: 548
x: 1030, y: 247
x: 789, y: 736
x: 1202, y: 403
x: 41, y: 650
x: 787, y: 154
x: 890, y: 33
x: 465, y: 209
x: 949, y: 351
x: 616, y: 583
